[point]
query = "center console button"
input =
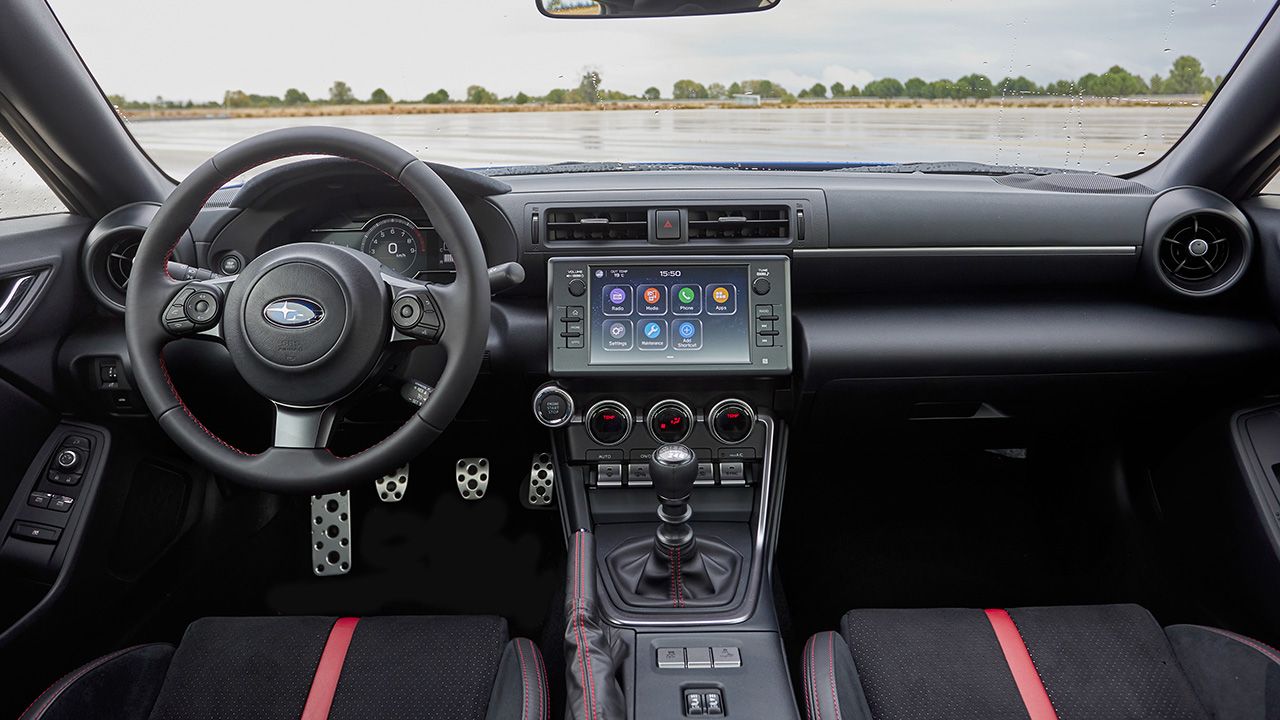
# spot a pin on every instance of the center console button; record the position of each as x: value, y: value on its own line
x: 706, y: 474
x: 670, y: 421
x: 715, y: 705
x: 726, y: 657
x: 732, y: 473
x: 608, y: 422
x: 638, y: 475
x: 693, y: 703
x: 577, y: 288
x: 609, y: 475
x: 671, y: 658
x: 698, y: 658
x: 39, y: 499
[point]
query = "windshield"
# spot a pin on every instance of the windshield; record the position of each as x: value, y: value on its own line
x: 1092, y: 85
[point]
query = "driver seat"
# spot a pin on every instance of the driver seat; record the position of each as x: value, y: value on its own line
x: 428, y: 667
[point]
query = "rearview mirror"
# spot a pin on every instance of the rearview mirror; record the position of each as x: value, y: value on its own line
x: 648, y: 8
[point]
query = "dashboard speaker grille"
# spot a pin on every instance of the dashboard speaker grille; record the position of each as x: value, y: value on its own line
x: 740, y: 222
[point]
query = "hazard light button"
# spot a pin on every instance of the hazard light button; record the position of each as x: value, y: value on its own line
x: 668, y: 224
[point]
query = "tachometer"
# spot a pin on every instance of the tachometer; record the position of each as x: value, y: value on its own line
x: 394, y: 241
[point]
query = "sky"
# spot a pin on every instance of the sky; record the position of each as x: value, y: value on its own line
x: 180, y: 49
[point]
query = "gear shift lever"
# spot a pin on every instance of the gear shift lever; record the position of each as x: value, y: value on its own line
x: 671, y: 570
x: 673, y: 469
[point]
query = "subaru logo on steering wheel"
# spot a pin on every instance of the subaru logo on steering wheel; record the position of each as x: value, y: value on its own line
x: 293, y: 312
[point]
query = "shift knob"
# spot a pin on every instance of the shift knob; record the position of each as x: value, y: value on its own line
x: 673, y: 469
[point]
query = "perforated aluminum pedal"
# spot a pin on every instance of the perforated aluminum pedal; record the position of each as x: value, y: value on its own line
x: 331, y: 534
x: 540, y: 489
x: 392, y: 486
x: 473, y: 477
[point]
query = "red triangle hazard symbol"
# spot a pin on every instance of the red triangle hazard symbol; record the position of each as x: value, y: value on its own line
x: 666, y: 225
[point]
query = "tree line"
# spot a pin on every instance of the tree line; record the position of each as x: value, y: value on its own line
x: 1185, y: 77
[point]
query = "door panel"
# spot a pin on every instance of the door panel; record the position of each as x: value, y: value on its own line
x: 41, y: 300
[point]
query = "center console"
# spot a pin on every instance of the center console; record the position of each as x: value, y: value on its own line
x: 667, y: 376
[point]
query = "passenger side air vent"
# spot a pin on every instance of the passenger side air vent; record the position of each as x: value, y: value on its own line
x: 739, y: 222
x: 1197, y: 242
x: 598, y: 224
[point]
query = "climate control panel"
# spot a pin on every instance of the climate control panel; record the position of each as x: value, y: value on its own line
x: 615, y: 435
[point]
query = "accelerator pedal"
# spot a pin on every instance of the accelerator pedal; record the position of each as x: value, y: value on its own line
x: 393, y: 486
x: 331, y: 534
x: 539, y: 491
x: 473, y: 478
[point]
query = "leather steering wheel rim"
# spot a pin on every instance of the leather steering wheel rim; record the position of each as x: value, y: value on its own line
x: 309, y: 470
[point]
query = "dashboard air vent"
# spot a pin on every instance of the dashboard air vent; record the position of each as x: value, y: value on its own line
x: 1201, y: 252
x: 598, y: 224
x: 120, y: 262
x: 740, y: 222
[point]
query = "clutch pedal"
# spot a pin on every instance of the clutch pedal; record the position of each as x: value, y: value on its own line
x: 540, y: 489
x: 331, y: 534
x: 392, y: 486
x: 473, y: 478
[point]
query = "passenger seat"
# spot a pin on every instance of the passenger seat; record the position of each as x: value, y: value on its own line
x: 1042, y: 663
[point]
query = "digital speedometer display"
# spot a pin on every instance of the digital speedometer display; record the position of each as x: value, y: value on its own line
x: 394, y: 241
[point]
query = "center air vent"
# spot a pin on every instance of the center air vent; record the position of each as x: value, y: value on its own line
x: 120, y: 262
x: 740, y: 222
x: 598, y: 224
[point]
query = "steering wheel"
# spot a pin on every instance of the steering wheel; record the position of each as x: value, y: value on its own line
x: 307, y: 324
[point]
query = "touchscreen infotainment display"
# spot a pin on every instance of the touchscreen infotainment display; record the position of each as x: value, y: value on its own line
x: 655, y: 314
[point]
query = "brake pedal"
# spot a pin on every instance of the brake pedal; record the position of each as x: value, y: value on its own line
x: 331, y: 533
x: 540, y: 488
x: 392, y: 486
x: 473, y: 478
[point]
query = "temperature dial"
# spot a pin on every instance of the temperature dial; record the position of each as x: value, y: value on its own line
x: 608, y: 422
x: 731, y: 421
x: 670, y: 421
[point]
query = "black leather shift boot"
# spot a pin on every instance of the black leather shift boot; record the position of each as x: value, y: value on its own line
x: 649, y: 576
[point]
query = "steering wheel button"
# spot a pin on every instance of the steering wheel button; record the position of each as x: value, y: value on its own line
x: 406, y: 311
x: 201, y: 307
x: 175, y: 312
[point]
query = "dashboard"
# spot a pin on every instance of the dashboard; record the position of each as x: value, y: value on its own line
x: 915, y: 288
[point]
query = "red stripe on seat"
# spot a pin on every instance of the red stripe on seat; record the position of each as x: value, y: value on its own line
x: 325, y: 682
x: 1025, y: 675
